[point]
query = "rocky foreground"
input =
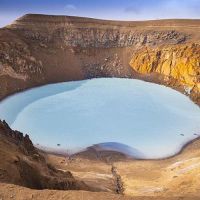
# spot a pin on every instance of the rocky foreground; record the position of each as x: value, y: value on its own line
x: 10, y: 192
x: 94, y: 173
x: 40, y: 49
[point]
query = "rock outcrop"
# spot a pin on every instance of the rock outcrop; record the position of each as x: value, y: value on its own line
x: 24, y: 165
x: 179, y: 62
x: 79, y: 32
x: 23, y: 142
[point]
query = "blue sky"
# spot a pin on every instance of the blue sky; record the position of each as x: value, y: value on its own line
x: 105, y: 9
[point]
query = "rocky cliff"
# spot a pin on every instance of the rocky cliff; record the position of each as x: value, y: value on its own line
x: 24, y: 165
x: 40, y: 49
x: 180, y: 63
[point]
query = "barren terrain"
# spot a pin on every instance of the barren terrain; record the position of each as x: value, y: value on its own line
x: 38, y: 49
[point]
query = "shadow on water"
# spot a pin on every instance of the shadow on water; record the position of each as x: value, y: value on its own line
x: 11, y: 106
x: 122, y: 148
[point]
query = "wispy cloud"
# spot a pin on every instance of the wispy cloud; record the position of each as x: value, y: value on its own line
x: 135, y: 7
x: 132, y: 9
x: 152, y: 9
x: 70, y: 7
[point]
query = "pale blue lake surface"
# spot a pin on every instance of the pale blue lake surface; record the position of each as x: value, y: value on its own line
x: 145, y: 116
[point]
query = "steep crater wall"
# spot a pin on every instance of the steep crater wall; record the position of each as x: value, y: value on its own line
x: 40, y: 49
x: 178, y: 62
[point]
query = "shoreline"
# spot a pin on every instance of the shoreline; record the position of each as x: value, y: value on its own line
x: 179, y: 89
x: 179, y: 152
x: 59, y: 152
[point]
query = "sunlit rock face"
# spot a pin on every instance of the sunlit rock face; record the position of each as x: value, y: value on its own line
x: 153, y: 119
x: 181, y: 63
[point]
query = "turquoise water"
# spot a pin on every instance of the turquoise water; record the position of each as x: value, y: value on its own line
x: 147, y: 117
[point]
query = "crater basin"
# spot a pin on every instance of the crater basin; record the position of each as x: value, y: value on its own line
x: 154, y: 120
